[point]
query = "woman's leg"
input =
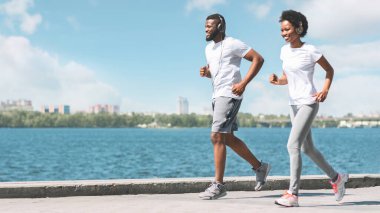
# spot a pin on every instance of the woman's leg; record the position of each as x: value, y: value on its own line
x: 316, y: 156
x: 302, y: 117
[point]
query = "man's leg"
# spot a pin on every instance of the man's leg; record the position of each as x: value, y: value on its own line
x: 218, y: 140
x: 260, y: 168
x: 220, y: 126
x: 217, y: 188
x: 242, y: 150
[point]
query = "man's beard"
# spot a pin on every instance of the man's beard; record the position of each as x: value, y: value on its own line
x: 212, y: 36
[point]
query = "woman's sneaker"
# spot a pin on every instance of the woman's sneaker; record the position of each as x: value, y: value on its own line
x: 288, y: 200
x: 339, y: 186
x: 214, y: 191
x: 261, y: 175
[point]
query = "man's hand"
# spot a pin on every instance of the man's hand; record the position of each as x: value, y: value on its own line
x: 239, y: 88
x: 205, y: 72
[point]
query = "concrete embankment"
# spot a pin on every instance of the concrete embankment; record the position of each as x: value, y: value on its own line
x: 41, y: 189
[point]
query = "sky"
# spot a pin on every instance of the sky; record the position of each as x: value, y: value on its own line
x: 142, y: 55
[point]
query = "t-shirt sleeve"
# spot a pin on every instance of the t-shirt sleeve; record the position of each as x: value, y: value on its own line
x: 240, y: 48
x: 315, y: 54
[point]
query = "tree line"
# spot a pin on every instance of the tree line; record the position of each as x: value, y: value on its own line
x: 28, y: 119
x: 25, y: 119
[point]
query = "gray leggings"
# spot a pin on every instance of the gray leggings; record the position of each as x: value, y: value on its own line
x: 302, y: 117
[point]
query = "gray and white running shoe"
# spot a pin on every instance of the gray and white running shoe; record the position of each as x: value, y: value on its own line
x: 214, y: 191
x: 261, y: 175
x: 339, y: 186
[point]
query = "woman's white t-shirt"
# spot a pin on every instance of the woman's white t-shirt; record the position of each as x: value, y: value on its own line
x: 298, y: 65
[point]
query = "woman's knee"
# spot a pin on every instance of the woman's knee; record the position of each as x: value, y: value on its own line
x: 293, y: 147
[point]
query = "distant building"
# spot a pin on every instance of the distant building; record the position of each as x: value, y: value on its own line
x: 21, y: 105
x: 106, y: 108
x: 183, y: 106
x: 64, y: 109
x: 55, y: 109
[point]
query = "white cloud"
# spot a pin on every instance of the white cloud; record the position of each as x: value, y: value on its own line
x: 260, y: 10
x: 341, y: 19
x: 202, y: 4
x: 73, y: 22
x: 17, y: 12
x: 354, y: 58
x: 30, y: 22
x: 268, y: 99
x: 31, y: 73
x: 354, y: 94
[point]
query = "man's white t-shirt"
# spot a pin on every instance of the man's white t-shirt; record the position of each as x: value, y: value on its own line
x: 224, y: 60
x: 298, y: 65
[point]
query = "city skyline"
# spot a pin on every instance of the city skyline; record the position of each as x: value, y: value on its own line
x: 143, y: 55
x: 182, y: 109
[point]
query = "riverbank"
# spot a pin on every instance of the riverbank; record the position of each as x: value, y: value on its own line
x: 40, y: 189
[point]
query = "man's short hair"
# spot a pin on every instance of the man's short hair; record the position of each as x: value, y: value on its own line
x: 219, y: 18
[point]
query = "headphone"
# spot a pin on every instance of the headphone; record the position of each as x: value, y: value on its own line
x: 299, y: 29
x: 221, y: 27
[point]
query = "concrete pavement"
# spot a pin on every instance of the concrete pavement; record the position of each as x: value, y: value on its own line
x: 39, y: 189
x: 356, y: 200
x: 181, y: 195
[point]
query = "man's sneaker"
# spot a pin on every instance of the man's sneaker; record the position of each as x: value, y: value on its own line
x: 214, y: 191
x: 288, y: 200
x: 261, y: 175
x: 339, y: 187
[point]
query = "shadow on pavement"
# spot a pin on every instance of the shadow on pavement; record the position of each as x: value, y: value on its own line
x: 362, y: 203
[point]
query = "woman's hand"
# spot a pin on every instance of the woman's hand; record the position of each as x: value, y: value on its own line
x: 273, y: 79
x: 321, y: 96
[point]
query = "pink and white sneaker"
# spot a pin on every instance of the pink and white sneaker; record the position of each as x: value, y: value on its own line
x: 339, y: 186
x: 287, y: 200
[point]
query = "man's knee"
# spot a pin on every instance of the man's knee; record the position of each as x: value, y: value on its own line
x: 217, y: 138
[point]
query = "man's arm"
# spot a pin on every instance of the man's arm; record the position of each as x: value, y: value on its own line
x: 257, y: 62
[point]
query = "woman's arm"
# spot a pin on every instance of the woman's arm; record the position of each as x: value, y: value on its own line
x: 322, y: 95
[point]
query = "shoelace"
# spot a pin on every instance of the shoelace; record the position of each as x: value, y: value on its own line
x: 211, y: 187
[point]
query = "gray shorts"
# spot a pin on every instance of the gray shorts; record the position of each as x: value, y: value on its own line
x: 225, y: 110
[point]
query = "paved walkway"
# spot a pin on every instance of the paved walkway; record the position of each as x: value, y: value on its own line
x: 356, y: 200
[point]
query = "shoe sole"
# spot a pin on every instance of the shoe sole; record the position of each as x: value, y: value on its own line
x: 345, y: 178
x: 266, y: 175
x: 285, y: 205
x: 213, y: 198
